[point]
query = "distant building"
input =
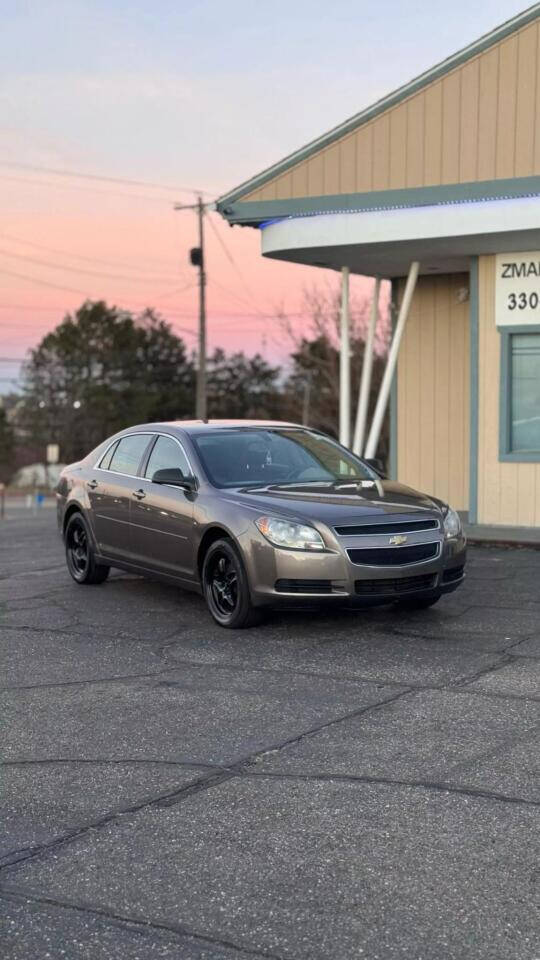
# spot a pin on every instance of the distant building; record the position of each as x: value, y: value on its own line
x: 445, y: 172
x: 38, y: 475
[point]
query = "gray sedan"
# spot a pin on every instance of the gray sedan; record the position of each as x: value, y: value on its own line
x: 255, y: 514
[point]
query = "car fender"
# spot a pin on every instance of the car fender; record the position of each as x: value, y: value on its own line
x: 74, y: 496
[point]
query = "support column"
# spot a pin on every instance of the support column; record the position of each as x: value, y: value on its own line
x: 345, y: 363
x: 365, y: 382
x: 384, y: 393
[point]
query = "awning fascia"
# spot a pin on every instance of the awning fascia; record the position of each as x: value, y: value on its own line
x: 260, y: 212
x: 384, y: 242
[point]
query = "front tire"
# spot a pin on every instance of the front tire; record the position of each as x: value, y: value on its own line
x: 80, y: 557
x: 226, y: 587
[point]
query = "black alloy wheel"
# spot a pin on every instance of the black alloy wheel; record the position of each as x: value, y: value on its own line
x: 226, y: 586
x: 80, y: 554
x: 223, y: 580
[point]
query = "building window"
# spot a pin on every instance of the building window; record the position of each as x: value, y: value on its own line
x: 520, y: 394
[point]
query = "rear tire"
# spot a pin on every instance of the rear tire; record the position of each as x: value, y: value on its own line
x: 418, y: 603
x: 80, y: 557
x: 226, y: 587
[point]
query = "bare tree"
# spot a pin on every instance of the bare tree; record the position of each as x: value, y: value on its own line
x: 312, y: 386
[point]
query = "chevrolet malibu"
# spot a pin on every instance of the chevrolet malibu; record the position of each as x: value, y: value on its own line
x: 255, y: 514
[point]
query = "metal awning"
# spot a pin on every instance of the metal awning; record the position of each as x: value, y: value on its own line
x: 384, y: 242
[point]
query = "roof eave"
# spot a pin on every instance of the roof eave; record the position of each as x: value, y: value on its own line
x: 258, y: 212
x: 391, y: 100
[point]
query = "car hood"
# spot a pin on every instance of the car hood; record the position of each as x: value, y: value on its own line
x: 331, y: 506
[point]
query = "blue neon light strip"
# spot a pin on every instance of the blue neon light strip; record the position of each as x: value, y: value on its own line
x: 396, y: 206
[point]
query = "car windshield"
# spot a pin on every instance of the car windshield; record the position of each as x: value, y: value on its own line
x: 254, y: 456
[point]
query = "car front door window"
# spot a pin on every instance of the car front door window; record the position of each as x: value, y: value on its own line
x: 167, y: 454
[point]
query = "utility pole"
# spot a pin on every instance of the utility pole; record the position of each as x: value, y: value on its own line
x: 196, y: 256
x: 307, y: 398
x: 199, y: 261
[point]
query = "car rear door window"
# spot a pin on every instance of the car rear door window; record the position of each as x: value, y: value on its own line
x: 105, y: 462
x: 166, y: 455
x: 128, y: 454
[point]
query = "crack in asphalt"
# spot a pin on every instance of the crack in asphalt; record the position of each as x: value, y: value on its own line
x: 503, y: 661
x: 176, y: 795
x: 237, y: 772
x: 452, y: 686
x: 214, y: 775
x: 24, y: 854
x: 80, y: 683
x: 84, y: 631
x: 17, y: 895
x: 444, y: 786
x: 458, y: 685
x: 506, y: 659
x: 40, y: 572
x: 123, y: 760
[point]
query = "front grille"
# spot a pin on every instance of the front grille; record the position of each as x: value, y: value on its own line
x: 392, y: 588
x: 303, y: 586
x: 369, y: 529
x: 455, y: 573
x: 394, y: 556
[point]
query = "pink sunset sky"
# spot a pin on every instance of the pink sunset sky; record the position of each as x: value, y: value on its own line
x: 165, y: 98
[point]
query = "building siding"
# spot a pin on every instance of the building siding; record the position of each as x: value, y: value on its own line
x: 479, y: 122
x: 508, y: 493
x: 433, y: 402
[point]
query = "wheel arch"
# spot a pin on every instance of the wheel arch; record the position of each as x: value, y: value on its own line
x: 70, y: 510
x: 213, y: 533
x: 75, y: 507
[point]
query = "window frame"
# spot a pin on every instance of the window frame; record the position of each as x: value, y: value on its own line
x: 109, y: 452
x: 276, y: 428
x: 153, y: 435
x: 148, y: 453
x: 117, y: 441
x: 506, y: 454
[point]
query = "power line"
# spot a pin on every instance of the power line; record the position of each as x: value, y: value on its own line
x: 230, y: 258
x: 172, y: 293
x: 77, y: 186
x: 77, y: 174
x: 42, y: 283
x: 92, y: 273
x: 185, y: 330
x: 241, y: 300
x: 72, y: 256
x: 215, y: 315
x: 25, y: 306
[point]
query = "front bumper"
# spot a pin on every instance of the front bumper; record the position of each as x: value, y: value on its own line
x: 293, y: 577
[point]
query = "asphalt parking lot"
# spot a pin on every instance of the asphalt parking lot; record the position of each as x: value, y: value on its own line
x: 335, y: 785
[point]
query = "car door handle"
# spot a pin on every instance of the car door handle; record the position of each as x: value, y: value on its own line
x: 92, y: 484
x: 139, y: 494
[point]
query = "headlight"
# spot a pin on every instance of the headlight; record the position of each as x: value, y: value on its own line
x: 285, y: 533
x: 452, y: 524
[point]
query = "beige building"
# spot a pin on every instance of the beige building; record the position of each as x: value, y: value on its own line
x: 436, y: 187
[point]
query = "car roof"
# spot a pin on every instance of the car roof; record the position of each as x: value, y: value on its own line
x: 192, y: 426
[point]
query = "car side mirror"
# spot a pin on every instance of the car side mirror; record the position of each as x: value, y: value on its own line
x: 376, y: 465
x: 174, y: 477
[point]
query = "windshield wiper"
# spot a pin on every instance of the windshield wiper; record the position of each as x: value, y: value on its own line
x: 289, y: 483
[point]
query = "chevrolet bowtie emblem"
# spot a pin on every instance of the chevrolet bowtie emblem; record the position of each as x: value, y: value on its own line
x: 397, y: 541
